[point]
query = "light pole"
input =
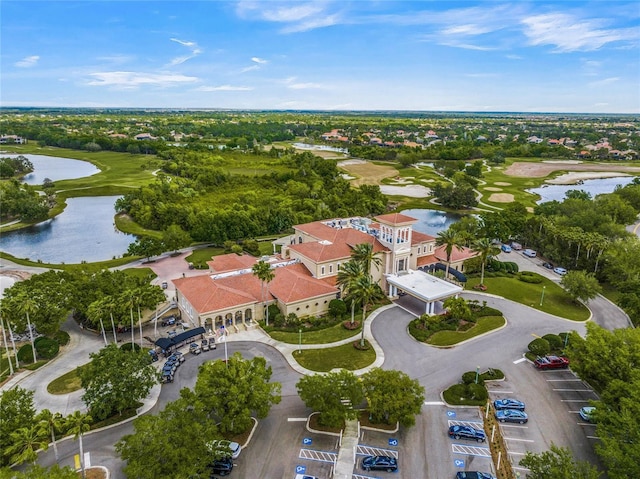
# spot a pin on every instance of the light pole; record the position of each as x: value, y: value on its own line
x: 477, y: 373
x: 542, y: 296
x: 299, y: 340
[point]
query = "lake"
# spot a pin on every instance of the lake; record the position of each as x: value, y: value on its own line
x: 593, y: 187
x: 84, y: 231
x: 55, y: 168
x: 431, y: 222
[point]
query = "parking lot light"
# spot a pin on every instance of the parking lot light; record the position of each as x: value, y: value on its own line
x: 299, y: 340
x: 477, y: 373
x: 542, y: 296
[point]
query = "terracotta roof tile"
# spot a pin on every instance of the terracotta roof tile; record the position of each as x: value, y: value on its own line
x: 417, y: 237
x: 456, y: 254
x: 231, y: 262
x: 395, y: 219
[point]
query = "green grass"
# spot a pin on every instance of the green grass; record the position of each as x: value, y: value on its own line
x: 324, y: 360
x: 611, y: 293
x: 449, y: 338
x: 125, y: 224
x: 200, y: 256
x: 65, y: 384
x: 112, y: 263
x: 556, y: 301
x: 142, y: 273
x: 331, y: 334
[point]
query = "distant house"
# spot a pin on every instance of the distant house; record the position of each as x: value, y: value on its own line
x: 12, y: 139
x: 144, y: 136
x: 534, y: 139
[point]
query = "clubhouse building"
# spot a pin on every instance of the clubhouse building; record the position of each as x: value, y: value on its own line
x: 305, y: 273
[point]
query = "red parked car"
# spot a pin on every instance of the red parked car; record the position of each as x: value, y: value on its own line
x: 551, y: 362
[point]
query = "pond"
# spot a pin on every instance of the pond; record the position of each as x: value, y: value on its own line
x: 56, y: 169
x: 84, y: 231
x: 593, y: 187
x: 431, y: 222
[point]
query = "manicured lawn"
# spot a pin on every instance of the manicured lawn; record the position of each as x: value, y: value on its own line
x: 324, y: 336
x: 65, y: 384
x: 556, y: 301
x: 324, y: 360
x: 449, y: 338
x: 125, y: 224
x: 200, y: 256
x: 112, y: 263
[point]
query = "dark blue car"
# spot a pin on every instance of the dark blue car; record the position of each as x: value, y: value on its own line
x: 511, y: 415
x: 380, y: 463
x: 508, y: 403
x: 467, y: 432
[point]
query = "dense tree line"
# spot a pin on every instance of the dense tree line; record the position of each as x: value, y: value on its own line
x: 214, y: 206
x: 21, y: 201
x: 18, y: 166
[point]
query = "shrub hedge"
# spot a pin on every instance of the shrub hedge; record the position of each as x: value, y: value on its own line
x: 47, y: 348
x: 25, y: 354
x: 62, y: 337
x: 539, y: 347
x: 555, y: 341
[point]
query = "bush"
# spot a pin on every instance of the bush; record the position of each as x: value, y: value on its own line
x: 277, y: 320
x: 470, y: 378
x: 62, y: 337
x: 511, y: 267
x: 555, y: 341
x: 477, y: 392
x: 492, y: 374
x: 38, y: 340
x: 47, y: 348
x: 337, y: 308
x: 530, y: 277
x: 565, y: 338
x: 129, y: 346
x: 539, y: 347
x: 487, y: 311
x: 25, y: 354
x: 419, y: 333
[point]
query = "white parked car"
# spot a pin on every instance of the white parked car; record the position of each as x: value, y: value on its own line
x: 530, y: 253
x: 223, y: 445
x: 560, y: 271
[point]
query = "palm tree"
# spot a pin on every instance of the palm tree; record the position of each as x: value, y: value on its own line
x: 486, y: 249
x: 449, y: 239
x: 28, y: 305
x: 25, y: 441
x: 347, y: 276
x: 95, y: 311
x: 363, y: 254
x: 51, y: 422
x: 365, y: 290
x: 6, y: 344
x: 262, y: 270
x: 77, y: 424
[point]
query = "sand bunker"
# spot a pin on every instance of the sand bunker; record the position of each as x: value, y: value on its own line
x: 574, y: 176
x: 566, y: 162
x: 414, y: 191
x: 491, y: 188
x: 540, y: 170
x: 501, y: 198
x: 351, y: 162
x: 502, y: 183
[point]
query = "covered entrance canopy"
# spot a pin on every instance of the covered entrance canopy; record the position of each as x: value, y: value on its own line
x: 425, y: 287
x: 168, y: 344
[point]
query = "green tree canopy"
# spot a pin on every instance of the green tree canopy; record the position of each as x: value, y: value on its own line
x: 16, y: 411
x: 39, y: 472
x: 234, y: 390
x: 557, y: 463
x: 174, y: 238
x: 151, y: 451
x: 581, y: 285
x: 116, y: 380
x: 333, y: 395
x: 392, y: 396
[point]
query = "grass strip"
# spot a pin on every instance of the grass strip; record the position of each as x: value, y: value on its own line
x: 326, y: 359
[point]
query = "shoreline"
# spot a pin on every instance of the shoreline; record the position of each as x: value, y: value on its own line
x: 575, y: 177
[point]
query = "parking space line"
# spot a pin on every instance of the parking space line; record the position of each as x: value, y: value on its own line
x: 562, y: 380
x: 297, y: 419
x: 434, y: 403
x: 517, y: 439
x: 518, y: 361
x: 453, y: 422
x: 593, y: 437
x: 513, y: 426
x: 360, y: 476
x: 502, y: 392
x: 574, y: 400
x: 574, y: 390
x: 363, y: 450
x: 517, y: 453
x: 470, y: 450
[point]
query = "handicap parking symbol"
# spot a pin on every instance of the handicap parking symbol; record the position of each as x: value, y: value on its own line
x: 458, y: 463
x: 301, y: 469
x: 451, y: 413
x: 306, y: 441
x: 393, y: 442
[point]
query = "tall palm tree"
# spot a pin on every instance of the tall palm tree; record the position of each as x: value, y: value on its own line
x: 363, y: 253
x: 29, y: 305
x: 51, y: 423
x: 262, y: 270
x: 25, y: 441
x: 348, y: 274
x: 95, y: 312
x: 486, y: 249
x: 6, y: 344
x: 449, y: 239
x: 365, y: 290
x: 77, y: 424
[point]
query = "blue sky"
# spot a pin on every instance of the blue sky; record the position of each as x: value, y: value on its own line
x: 562, y: 56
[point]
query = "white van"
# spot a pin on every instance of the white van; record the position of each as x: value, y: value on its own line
x: 530, y: 253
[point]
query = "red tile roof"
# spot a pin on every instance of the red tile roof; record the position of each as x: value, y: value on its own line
x: 395, y: 219
x: 333, y: 243
x: 417, y: 237
x: 294, y: 283
x: 456, y: 254
x: 426, y: 260
x: 206, y: 295
x: 231, y: 262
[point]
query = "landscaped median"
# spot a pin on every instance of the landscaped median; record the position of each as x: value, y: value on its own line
x: 344, y: 357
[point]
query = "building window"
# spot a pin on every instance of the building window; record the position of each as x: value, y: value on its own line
x: 297, y: 309
x: 330, y: 268
x: 322, y: 270
x: 300, y: 239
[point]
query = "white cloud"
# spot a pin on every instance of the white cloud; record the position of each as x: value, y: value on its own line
x: 569, y: 34
x: 224, y: 88
x: 466, y: 46
x: 249, y: 69
x: 192, y: 46
x: 133, y: 80
x: 299, y: 17
x: 293, y: 84
x: 511, y: 56
x: 603, y: 82
x: 258, y: 60
x: 28, y: 62
x: 117, y: 59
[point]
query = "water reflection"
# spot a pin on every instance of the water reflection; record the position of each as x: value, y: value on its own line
x: 55, y: 168
x: 431, y: 222
x: 84, y: 231
x: 593, y: 187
